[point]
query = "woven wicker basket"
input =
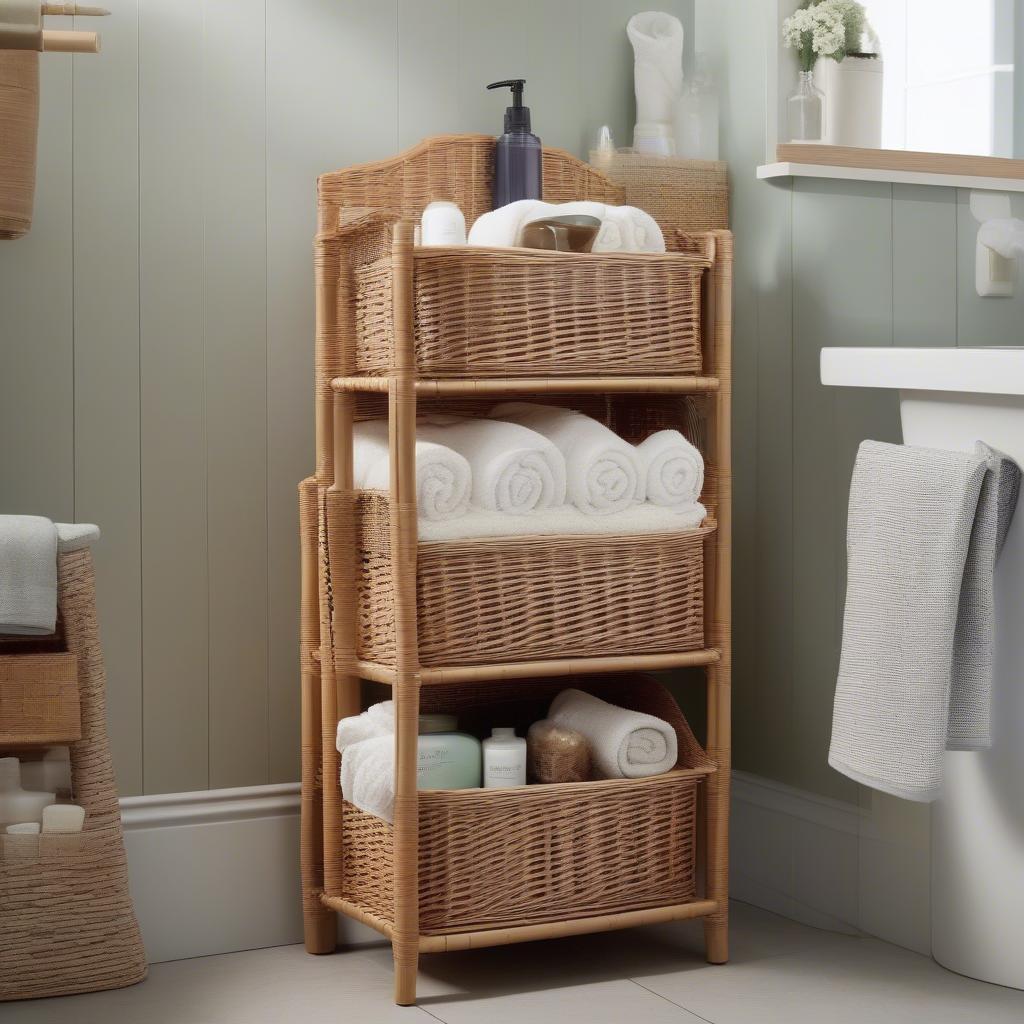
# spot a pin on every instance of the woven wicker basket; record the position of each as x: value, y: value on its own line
x: 479, y: 312
x: 502, y: 858
x: 478, y: 601
x: 66, y: 918
x: 683, y: 195
x: 39, y: 699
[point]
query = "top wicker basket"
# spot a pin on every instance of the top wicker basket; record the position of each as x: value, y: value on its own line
x: 485, y: 313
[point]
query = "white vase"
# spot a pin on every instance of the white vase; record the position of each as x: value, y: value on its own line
x: 853, y: 101
x: 657, y: 40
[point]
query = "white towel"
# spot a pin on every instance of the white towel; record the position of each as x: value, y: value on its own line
x: 378, y: 720
x: 443, y: 477
x: 565, y: 521
x: 367, y: 745
x: 603, y: 472
x: 28, y: 576
x: 909, y: 528
x: 623, y: 228
x: 514, y: 469
x: 623, y: 744
x: 368, y: 776
x: 673, y: 469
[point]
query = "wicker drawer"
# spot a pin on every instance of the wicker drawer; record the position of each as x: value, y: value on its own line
x: 529, y: 598
x: 479, y: 312
x: 39, y: 699
x: 503, y: 858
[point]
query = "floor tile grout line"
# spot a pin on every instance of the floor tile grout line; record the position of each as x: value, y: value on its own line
x: 671, y: 1002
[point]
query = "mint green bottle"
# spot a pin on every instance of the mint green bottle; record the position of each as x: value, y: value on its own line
x: 447, y: 759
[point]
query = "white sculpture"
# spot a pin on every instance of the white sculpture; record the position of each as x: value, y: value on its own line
x: 657, y: 40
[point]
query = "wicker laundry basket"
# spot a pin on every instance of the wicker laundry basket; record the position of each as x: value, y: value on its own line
x: 66, y: 918
x: 502, y: 858
x: 681, y: 195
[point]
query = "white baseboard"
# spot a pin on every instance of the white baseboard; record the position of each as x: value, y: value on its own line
x: 831, y: 864
x: 218, y: 871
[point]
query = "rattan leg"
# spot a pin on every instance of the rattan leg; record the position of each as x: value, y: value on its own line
x: 716, y: 939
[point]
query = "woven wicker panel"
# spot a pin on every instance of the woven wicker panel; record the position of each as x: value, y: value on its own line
x: 68, y: 923
x: 500, y: 858
x: 692, y: 195
x: 490, y: 600
x: 39, y: 699
x: 19, y: 128
x: 495, y: 312
x: 459, y: 168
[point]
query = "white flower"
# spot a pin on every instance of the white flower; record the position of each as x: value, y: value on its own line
x: 819, y: 29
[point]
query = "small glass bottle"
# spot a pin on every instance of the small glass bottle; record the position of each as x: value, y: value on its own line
x: 697, y: 115
x: 805, y: 110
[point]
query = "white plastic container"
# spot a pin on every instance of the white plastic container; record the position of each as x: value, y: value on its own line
x: 853, y: 101
x: 504, y: 759
x: 442, y: 224
x: 19, y: 805
x: 447, y: 758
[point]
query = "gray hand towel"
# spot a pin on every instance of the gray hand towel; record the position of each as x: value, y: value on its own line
x: 28, y: 576
x: 909, y: 528
x: 970, y: 696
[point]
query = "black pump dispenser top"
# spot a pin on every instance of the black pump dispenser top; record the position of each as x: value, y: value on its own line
x: 517, y: 117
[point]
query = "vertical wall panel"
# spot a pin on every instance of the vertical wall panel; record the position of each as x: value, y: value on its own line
x: 106, y: 327
x: 331, y: 101
x: 429, y: 99
x: 36, y: 330
x: 924, y: 254
x: 174, y: 538
x: 842, y: 274
x: 235, y: 328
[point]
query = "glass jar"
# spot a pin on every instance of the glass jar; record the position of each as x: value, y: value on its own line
x: 805, y: 110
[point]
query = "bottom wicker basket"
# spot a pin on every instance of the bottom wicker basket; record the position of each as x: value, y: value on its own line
x: 66, y: 918
x: 502, y: 858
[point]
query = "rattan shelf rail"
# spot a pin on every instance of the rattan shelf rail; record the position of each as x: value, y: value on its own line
x: 492, y: 627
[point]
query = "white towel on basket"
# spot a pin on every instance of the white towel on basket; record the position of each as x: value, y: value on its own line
x: 673, y: 469
x: 443, y: 477
x: 604, y: 474
x: 514, y: 469
x: 366, y: 743
x: 28, y: 576
x: 623, y: 744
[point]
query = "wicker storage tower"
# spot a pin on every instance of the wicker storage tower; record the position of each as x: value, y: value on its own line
x: 66, y: 919
x: 492, y: 629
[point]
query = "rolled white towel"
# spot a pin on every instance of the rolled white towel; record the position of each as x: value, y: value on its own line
x: 500, y: 228
x: 673, y: 469
x: 368, y: 776
x: 629, y: 229
x: 443, y: 477
x: 514, y: 469
x: 378, y: 720
x: 603, y: 472
x: 623, y: 744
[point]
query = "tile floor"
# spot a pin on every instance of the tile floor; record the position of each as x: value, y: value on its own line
x: 781, y: 972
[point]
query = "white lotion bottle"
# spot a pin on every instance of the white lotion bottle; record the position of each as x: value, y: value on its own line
x: 504, y: 759
x: 442, y: 224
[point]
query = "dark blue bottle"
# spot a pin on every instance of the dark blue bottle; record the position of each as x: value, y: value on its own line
x: 518, y: 156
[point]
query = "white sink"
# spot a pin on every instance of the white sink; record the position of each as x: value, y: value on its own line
x: 949, y: 398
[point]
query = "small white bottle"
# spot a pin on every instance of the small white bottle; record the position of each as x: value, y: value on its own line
x: 442, y: 224
x: 504, y: 759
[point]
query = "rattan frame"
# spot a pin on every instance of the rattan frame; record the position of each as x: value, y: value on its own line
x: 459, y: 168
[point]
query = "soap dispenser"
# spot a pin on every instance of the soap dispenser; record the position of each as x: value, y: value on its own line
x: 518, y: 156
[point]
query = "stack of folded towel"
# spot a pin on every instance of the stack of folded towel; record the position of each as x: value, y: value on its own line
x: 367, y: 745
x: 531, y: 468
